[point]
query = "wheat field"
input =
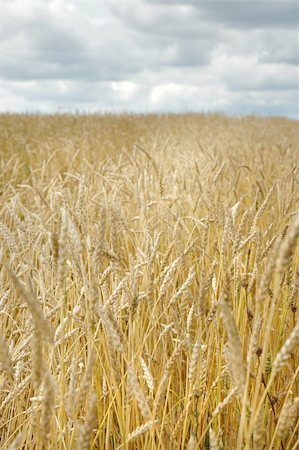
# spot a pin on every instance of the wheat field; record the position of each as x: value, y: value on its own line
x: 149, y: 282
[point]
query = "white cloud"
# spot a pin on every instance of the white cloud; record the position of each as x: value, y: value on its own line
x: 125, y: 90
x: 148, y: 55
x: 248, y: 73
x: 181, y: 96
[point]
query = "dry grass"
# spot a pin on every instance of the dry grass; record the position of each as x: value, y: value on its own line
x: 149, y: 282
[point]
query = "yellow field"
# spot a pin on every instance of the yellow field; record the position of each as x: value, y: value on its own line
x: 149, y: 282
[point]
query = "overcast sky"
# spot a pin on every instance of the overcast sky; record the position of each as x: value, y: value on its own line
x: 237, y: 57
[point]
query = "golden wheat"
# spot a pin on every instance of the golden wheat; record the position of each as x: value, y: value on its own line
x: 149, y: 282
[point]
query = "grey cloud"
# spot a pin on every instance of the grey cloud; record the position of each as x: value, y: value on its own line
x: 176, y: 35
x: 253, y: 14
x: 179, y: 21
x: 42, y: 46
x: 243, y: 13
x: 278, y: 50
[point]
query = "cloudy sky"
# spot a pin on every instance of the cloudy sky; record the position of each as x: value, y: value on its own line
x: 237, y: 57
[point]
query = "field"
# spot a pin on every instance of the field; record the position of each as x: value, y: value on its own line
x: 149, y: 282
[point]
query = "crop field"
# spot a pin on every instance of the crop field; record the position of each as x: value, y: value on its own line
x: 149, y: 275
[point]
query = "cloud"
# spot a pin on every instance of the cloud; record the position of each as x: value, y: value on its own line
x: 56, y: 41
x: 238, y: 57
x: 180, y: 96
x: 175, y: 20
x: 52, y: 95
x: 254, y: 14
x: 251, y: 14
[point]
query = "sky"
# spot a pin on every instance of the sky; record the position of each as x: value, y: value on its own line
x: 236, y: 57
